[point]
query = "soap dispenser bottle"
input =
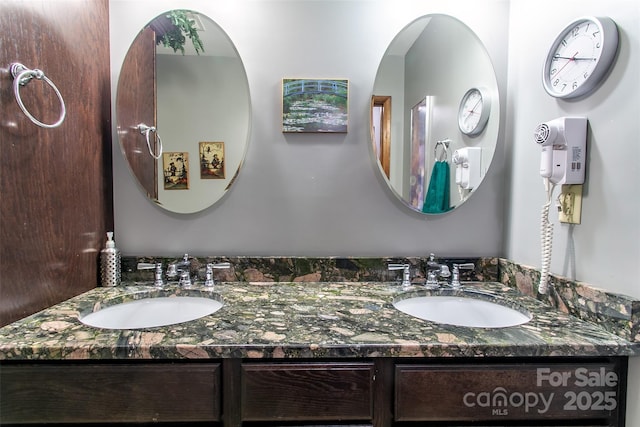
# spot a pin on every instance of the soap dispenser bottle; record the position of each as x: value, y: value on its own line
x: 110, y: 263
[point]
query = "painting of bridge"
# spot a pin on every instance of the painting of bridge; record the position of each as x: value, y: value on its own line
x: 315, y: 105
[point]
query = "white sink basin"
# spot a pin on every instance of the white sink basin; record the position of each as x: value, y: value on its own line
x: 152, y: 312
x: 460, y: 310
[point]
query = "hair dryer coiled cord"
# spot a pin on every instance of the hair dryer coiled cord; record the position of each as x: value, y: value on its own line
x: 546, y: 237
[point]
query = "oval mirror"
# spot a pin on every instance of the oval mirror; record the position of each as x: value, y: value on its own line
x: 184, y: 82
x: 434, y: 114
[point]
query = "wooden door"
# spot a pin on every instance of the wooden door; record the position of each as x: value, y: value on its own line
x: 135, y: 104
x: 55, y: 184
x: 384, y: 129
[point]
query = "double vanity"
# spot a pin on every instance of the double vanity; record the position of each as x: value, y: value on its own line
x: 301, y: 346
x: 313, y: 353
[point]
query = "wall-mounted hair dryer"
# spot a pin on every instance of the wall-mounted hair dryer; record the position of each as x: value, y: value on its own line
x: 467, y: 161
x: 564, y: 147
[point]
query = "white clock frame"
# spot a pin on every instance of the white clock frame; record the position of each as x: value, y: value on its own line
x: 483, y: 117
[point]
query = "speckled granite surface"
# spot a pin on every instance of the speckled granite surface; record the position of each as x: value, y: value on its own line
x: 303, y: 320
x: 616, y: 313
x: 292, y: 269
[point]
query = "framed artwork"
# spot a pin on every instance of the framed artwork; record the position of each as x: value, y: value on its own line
x: 211, y: 160
x: 175, y: 167
x: 315, y: 105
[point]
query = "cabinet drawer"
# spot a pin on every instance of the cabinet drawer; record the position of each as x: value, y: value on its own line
x: 558, y: 392
x: 85, y: 393
x: 307, y: 391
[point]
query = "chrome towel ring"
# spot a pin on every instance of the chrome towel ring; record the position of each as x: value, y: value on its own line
x: 146, y: 130
x: 23, y: 75
x: 444, y: 154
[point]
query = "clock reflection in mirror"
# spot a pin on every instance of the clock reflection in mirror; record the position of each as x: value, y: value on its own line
x: 418, y: 102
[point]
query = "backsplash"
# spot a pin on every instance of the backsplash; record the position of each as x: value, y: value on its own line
x: 293, y: 269
x: 616, y: 313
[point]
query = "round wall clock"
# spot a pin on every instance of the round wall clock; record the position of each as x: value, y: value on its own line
x: 580, y: 57
x: 474, y: 111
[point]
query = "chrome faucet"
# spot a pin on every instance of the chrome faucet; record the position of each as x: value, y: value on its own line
x: 181, y: 269
x: 455, y: 280
x: 209, y: 280
x: 157, y: 282
x: 434, y: 274
x: 435, y: 270
x: 406, y: 273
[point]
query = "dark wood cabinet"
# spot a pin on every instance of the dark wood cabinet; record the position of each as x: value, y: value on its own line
x: 98, y: 393
x: 378, y: 392
x: 592, y: 392
x: 307, y: 391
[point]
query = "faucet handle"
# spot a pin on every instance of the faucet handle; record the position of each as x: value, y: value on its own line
x: 209, y: 280
x: 465, y: 266
x: 146, y: 266
x: 157, y: 266
x: 220, y: 265
x: 406, y: 272
x: 455, y: 280
x: 158, y: 282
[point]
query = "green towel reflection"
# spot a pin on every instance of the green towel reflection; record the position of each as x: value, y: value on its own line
x: 437, y: 199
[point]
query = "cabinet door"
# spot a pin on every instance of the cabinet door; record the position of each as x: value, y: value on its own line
x: 307, y: 391
x: 86, y: 393
x: 590, y: 392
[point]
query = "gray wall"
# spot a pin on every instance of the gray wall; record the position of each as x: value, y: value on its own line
x: 189, y: 113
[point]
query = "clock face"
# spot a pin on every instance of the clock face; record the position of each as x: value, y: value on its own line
x: 473, y: 112
x: 580, y: 57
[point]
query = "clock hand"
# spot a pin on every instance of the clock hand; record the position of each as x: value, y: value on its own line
x: 574, y: 58
x: 567, y: 63
x: 473, y: 109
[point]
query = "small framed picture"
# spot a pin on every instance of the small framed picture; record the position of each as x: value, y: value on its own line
x: 211, y: 160
x: 315, y: 105
x: 175, y: 167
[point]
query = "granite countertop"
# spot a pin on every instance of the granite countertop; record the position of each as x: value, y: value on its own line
x: 303, y: 320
